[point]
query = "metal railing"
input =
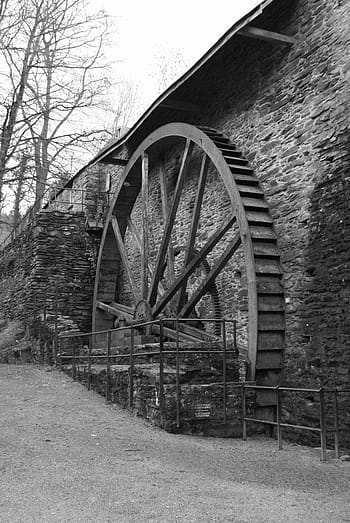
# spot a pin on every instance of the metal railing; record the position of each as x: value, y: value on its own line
x: 161, y: 353
x: 54, y: 198
x: 131, y: 357
x: 280, y: 424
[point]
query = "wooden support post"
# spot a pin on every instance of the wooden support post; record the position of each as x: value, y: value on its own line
x: 161, y: 371
x: 108, y: 367
x: 131, y: 369
x: 144, y: 253
x: 224, y: 383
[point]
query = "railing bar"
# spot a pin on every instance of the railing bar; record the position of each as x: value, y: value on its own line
x: 161, y: 372
x: 224, y: 391
x: 336, y: 425
x: 131, y: 371
x: 89, y: 361
x: 177, y: 375
x: 108, y: 367
x: 323, y: 427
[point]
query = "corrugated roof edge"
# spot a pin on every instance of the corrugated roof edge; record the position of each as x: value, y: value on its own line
x: 242, y: 22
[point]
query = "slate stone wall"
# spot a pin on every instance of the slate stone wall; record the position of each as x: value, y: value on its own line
x: 50, y: 267
x: 288, y: 110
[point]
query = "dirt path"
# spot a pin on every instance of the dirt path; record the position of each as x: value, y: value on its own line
x: 67, y: 456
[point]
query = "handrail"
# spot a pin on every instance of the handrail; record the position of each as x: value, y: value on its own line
x: 40, y: 204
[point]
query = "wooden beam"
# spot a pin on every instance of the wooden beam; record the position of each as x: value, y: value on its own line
x: 115, y: 308
x: 134, y: 233
x: 123, y: 255
x: 113, y: 161
x: 170, y: 221
x: 194, y: 263
x: 194, y: 223
x: 145, y: 243
x: 170, y: 103
x: 205, y: 285
x: 268, y: 36
x: 165, y: 209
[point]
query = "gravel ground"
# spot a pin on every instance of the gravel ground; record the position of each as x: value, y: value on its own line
x: 67, y: 456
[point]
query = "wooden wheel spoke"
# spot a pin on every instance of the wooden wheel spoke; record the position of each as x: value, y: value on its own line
x: 123, y: 255
x: 165, y: 209
x: 134, y: 233
x: 116, y: 308
x: 144, y: 252
x: 206, y: 284
x: 194, y: 223
x: 193, y: 264
x: 170, y: 221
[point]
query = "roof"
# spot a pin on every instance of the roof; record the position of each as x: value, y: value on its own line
x: 187, y: 88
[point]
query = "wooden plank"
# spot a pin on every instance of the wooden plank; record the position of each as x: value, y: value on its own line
x: 254, y: 203
x: 166, y: 211
x: 115, y: 309
x: 170, y: 222
x: 145, y: 243
x: 258, y: 217
x: 263, y: 249
x: 123, y: 255
x: 269, y: 286
x: 205, y: 285
x: 267, y: 36
x: 271, y: 303
x: 271, y: 321
x: 123, y: 308
x: 195, y: 262
x: 270, y: 340
x: 267, y: 266
x: 194, y: 223
x: 270, y: 359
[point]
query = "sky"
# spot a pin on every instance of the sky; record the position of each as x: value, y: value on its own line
x: 147, y: 29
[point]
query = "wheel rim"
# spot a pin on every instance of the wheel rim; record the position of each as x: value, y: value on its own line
x: 255, y: 236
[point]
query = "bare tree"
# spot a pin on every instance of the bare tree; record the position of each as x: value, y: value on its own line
x: 55, y: 74
x: 128, y: 101
x: 170, y: 64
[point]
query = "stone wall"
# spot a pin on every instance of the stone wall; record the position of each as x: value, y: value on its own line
x: 50, y: 268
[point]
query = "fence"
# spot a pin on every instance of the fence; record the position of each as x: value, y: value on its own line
x: 55, y: 199
x: 279, y: 424
x: 131, y: 357
x: 162, y: 328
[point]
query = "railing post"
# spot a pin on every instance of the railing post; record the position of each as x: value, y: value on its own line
x: 278, y: 417
x: 55, y: 328
x: 59, y: 341
x: 235, y: 335
x: 89, y: 362
x: 161, y: 371
x: 73, y: 361
x: 336, y: 424
x: 131, y: 370
x: 224, y: 384
x: 244, y: 414
x: 322, y: 426
x: 44, y: 326
x: 178, y: 391
x: 108, y: 367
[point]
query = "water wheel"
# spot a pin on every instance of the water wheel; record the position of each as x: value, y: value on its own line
x: 166, y: 249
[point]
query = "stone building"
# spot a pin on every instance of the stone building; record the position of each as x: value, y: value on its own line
x: 275, y: 88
